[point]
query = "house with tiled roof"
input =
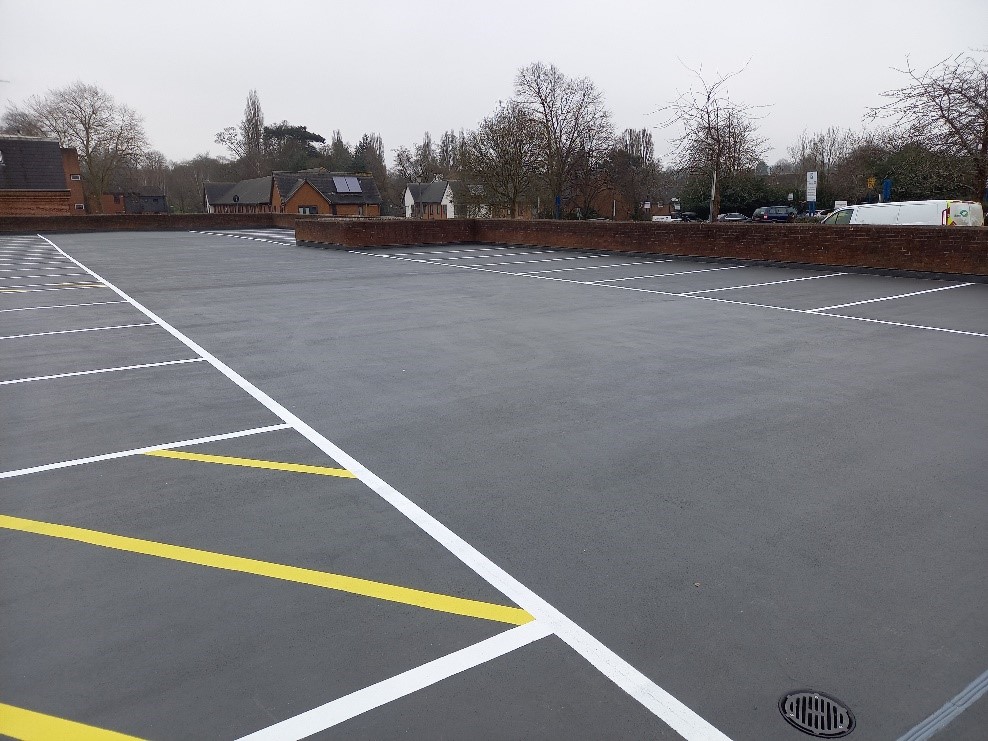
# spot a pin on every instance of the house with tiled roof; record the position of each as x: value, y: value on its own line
x: 450, y: 199
x: 430, y: 200
x: 311, y: 192
x: 34, y: 178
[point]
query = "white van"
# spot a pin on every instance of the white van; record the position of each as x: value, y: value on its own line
x: 912, y: 213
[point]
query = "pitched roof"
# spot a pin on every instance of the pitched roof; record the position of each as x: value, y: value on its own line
x: 247, y: 192
x: 31, y: 163
x: 327, y: 184
x: 428, y: 192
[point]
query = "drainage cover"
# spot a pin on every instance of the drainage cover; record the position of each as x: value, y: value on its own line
x: 817, y: 714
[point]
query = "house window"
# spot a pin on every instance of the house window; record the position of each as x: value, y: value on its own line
x: 116, y: 198
x: 75, y: 177
x: 80, y: 207
x: 308, y: 210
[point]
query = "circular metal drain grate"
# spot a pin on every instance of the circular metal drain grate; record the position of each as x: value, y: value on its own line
x: 817, y: 714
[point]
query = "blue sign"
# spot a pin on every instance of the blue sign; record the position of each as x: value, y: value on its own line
x: 886, y: 190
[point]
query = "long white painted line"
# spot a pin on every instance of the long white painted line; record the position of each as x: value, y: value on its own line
x: 39, y: 290
x: 72, y: 331
x: 788, y: 309
x: 62, y: 306
x: 899, y: 324
x: 889, y: 298
x: 35, y: 267
x: 767, y: 283
x: 333, y: 713
x: 14, y: 257
x: 471, y: 249
x: 100, y: 370
x: 589, y: 267
x: 508, y: 253
x: 45, y: 285
x: 673, y: 712
x: 954, y: 707
x: 139, y: 451
x: 43, y: 275
x: 242, y: 236
x: 666, y: 275
x: 532, y: 262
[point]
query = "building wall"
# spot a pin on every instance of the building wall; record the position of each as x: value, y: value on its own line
x: 73, y: 180
x: 113, y: 203
x: 911, y: 248
x: 306, y: 195
x: 34, y: 203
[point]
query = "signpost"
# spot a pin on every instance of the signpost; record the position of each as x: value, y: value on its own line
x: 811, y: 191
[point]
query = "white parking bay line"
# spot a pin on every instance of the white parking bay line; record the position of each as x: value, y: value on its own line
x: 673, y: 712
x: 62, y: 306
x: 72, y: 331
x: 95, y: 371
x: 888, y: 298
x: 39, y: 290
x: 589, y: 267
x: 140, y: 451
x: 768, y: 283
x: 666, y: 275
x: 333, y: 713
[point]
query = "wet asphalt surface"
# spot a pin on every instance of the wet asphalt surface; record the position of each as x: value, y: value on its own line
x: 738, y: 497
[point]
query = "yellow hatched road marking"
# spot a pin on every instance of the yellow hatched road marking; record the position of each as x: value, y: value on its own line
x: 252, y: 463
x: 327, y: 580
x: 27, y: 725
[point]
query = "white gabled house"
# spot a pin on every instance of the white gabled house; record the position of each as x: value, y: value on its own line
x: 430, y: 200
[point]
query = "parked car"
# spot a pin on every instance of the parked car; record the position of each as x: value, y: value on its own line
x: 689, y: 216
x: 732, y: 217
x: 774, y: 213
x: 912, y: 213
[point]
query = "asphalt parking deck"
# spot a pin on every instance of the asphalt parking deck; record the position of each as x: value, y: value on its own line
x: 737, y: 480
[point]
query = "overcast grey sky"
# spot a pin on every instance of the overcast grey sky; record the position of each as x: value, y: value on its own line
x: 403, y: 68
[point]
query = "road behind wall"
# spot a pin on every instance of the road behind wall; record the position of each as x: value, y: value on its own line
x: 959, y: 251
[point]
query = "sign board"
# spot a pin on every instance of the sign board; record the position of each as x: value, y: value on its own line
x: 871, y: 183
x: 789, y: 197
x: 840, y: 204
x: 811, y: 186
x: 648, y: 205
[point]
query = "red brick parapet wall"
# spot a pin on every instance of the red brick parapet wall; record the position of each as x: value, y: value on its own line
x: 142, y: 222
x: 915, y: 248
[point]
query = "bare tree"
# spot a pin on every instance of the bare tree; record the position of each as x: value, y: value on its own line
x: 632, y: 169
x: 108, y: 136
x: 21, y: 122
x: 246, y: 141
x: 823, y: 150
x: 503, y: 156
x: 945, y: 108
x: 719, y: 138
x: 574, y: 127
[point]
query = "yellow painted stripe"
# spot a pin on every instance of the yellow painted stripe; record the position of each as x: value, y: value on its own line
x: 252, y: 463
x: 27, y: 725
x: 350, y: 584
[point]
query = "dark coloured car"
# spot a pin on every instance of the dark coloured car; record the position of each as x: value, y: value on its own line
x: 689, y: 216
x: 774, y: 213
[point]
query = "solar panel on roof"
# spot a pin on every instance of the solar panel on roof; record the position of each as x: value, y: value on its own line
x: 353, y: 184
x: 340, y: 183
